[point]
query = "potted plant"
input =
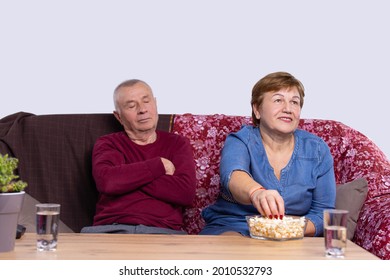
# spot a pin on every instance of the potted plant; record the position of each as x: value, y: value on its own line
x: 11, y: 201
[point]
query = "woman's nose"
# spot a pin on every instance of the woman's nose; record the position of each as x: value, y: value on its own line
x: 287, y: 108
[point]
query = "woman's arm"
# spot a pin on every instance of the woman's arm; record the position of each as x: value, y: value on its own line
x: 245, y: 190
x: 238, y: 184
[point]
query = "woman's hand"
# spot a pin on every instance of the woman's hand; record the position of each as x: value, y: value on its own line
x: 245, y: 190
x: 269, y: 203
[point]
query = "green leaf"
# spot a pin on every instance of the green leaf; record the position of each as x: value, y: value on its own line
x: 8, y: 179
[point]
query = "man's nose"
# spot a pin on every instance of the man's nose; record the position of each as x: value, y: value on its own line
x: 142, y: 109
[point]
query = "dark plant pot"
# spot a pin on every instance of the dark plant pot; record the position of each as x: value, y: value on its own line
x: 10, y: 206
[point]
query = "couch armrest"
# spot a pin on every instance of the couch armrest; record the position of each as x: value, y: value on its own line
x: 4, y: 149
x: 6, y: 124
x: 373, y: 226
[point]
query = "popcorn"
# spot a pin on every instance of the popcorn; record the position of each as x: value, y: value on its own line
x: 286, y: 228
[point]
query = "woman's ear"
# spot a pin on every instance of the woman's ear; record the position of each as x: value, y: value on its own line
x: 256, y: 111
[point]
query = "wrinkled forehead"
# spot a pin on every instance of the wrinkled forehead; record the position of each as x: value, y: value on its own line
x: 285, y: 92
x: 291, y: 92
x: 125, y: 94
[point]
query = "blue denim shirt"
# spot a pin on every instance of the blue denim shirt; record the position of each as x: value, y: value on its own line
x: 307, y: 184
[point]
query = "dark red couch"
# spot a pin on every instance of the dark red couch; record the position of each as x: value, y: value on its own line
x: 55, y: 159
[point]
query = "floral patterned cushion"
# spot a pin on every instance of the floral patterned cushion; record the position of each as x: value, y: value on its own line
x: 355, y: 156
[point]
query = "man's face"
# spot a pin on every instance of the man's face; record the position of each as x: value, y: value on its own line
x: 136, y: 109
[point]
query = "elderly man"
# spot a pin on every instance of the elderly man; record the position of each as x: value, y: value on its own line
x: 145, y: 177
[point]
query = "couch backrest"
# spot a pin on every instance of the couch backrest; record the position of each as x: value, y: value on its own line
x: 355, y: 156
x: 55, y: 158
x: 207, y: 134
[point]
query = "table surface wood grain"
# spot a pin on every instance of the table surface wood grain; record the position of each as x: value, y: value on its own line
x: 75, y: 246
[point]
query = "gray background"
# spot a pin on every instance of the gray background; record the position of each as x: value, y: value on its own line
x: 200, y: 57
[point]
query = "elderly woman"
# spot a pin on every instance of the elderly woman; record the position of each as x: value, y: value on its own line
x: 272, y: 167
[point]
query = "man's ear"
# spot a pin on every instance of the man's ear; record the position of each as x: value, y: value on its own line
x: 118, y: 117
x: 155, y: 104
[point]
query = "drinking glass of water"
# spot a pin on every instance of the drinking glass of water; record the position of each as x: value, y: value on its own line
x: 335, y: 232
x: 47, y: 220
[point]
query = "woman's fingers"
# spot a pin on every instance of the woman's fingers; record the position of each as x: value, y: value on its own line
x: 280, y: 204
x: 269, y: 203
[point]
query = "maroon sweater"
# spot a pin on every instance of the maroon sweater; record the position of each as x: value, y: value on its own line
x: 133, y: 188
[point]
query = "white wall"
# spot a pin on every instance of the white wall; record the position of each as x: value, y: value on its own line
x: 199, y: 56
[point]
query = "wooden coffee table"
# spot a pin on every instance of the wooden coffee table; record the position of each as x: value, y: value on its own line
x: 75, y: 246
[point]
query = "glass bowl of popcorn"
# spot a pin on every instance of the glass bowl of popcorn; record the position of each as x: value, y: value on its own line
x: 287, y: 228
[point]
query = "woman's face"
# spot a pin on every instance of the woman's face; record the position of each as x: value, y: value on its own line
x: 280, y: 111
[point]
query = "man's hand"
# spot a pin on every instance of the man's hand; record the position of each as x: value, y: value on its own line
x: 168, y: 165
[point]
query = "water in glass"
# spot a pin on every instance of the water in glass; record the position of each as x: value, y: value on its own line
x: 47, y: 230
x: 335, y: 240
